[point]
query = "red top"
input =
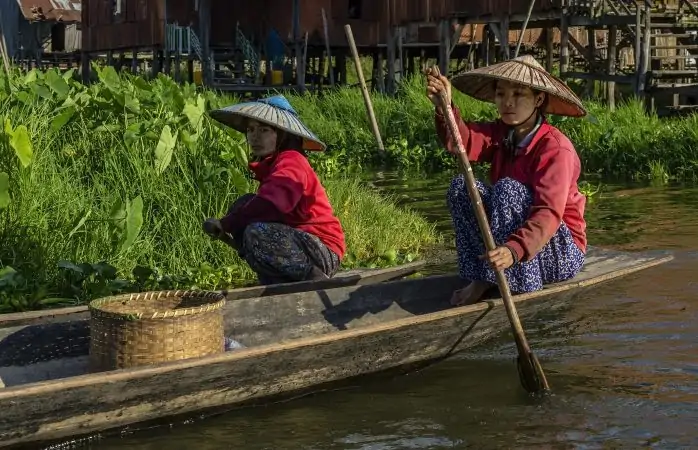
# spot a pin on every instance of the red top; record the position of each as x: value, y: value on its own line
x: 291, y: 193
x: 548, y: 165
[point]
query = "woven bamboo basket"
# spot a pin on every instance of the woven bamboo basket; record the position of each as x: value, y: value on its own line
x: 151, y: 327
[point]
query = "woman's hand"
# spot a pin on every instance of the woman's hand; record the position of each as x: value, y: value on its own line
x: 435, y: 86
x: 500, y: 258
x: 213, y: 228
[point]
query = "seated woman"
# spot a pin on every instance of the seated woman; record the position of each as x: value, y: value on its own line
x: 535, y: 210
x: 287, y: 231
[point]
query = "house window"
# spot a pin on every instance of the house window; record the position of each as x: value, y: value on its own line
x: 355, y: 9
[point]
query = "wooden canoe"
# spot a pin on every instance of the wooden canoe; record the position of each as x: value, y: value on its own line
x: 353, y: 277
x: 292, y: 342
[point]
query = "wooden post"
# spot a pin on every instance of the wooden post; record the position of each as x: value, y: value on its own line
x: 390, y: 41
x: 204, y: 37
x: 444, y: 47
x: 549, y: 35
x: 504, y: 38
x: 486, y: 38
x: 134, y: 61
x: 327, y: 47
x: 591, y: 60
x: 611, y: 85
x: 400, y: 53
x: 302, y: 64
x: 644, y: 61
x: 638, y: 48
x: 564, y: 43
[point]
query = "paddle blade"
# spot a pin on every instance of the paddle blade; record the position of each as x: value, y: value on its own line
x: 531, y: 374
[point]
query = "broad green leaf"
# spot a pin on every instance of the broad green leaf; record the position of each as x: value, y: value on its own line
x: 164, y: 149
x: 117, y: 213
x: 42, y: 91
x: 110, y: 78
x: 80, y: 223
x: 22, y: 145
x: 4, y: 190
x: 24, y: 97
x: 57, y: 84
x: 189, y: 139
x: 30, y: 77
x: 239, y: 180
x: 62, y: 118
x: 134, y: 222
x: 134, y: 132
x: 108, y: 128
x: 68, y: 74
x: 67, y: 265
x: 141, y: 84
x: 195, y: 113
x: 132, y: 103
x: 105, y: 270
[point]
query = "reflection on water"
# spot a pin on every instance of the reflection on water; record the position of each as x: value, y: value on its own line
x: 622, y: 359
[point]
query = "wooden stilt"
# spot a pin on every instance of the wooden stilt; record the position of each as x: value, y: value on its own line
x: 612, y: 54
x: 564, y: 43
x: 390, y: 61
x: 591, y: 62
x: 549, y: 35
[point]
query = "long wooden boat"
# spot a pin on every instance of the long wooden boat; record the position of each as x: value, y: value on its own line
x: 291, y: 342
x: 353, y: 277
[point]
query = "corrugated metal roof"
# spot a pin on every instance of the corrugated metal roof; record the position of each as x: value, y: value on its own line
x: 51, y: 10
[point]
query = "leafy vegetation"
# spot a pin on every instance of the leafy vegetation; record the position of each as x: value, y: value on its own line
x: 104, y: 188
x: 626, y: 143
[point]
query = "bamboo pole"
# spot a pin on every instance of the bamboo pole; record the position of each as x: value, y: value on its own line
x: 364, y: 89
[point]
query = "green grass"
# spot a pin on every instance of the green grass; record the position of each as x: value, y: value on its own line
x: 626, y: 143
x: 104, y: 189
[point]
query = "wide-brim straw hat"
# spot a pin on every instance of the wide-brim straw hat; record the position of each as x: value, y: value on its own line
x: 275, y: 111
x: 524, y: 70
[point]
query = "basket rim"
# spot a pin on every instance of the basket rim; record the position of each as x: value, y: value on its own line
x: 218, y: 297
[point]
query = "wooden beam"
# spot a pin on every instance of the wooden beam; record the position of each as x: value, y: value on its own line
x: 619, y: 79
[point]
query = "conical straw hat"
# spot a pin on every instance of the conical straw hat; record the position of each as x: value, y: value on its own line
x: 525, y: 70
x: 275, y: 111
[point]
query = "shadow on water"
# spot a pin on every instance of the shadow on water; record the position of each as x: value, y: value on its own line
x: 622, y: 360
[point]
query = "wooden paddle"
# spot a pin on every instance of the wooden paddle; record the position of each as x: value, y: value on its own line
x: 530, y: 371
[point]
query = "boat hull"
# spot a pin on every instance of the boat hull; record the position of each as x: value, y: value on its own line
x: 295, y: 342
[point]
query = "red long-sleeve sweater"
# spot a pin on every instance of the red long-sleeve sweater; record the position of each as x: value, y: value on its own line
x: 291, y: 193
x: 549, y: 166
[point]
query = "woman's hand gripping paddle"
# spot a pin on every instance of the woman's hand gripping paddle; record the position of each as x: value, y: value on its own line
x: 530, y: 371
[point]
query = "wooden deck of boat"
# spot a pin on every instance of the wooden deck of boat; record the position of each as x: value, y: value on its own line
x: 352, y: 277
x: 292, y: 341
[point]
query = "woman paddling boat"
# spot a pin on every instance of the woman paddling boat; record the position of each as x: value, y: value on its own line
x: 534, y: 206
x: 287, y: 231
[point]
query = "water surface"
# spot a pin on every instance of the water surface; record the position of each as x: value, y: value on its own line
x: 622, y: 360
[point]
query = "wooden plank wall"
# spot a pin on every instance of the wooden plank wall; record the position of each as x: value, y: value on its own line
x: 139, y: 26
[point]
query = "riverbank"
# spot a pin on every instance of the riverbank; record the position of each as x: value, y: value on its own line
x: 626, y: 143
x: 104, y: 189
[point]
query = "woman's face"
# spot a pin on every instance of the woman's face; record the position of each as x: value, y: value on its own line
x: 262, y: 138
x: 516, y: 103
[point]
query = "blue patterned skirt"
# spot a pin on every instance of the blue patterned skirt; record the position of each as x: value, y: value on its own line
x: 279, y: 253
x: 507, y: 203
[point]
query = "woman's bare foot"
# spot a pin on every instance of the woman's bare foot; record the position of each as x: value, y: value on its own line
x: 470, y: 294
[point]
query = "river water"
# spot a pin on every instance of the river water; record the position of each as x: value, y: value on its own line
x: 622, y: 361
